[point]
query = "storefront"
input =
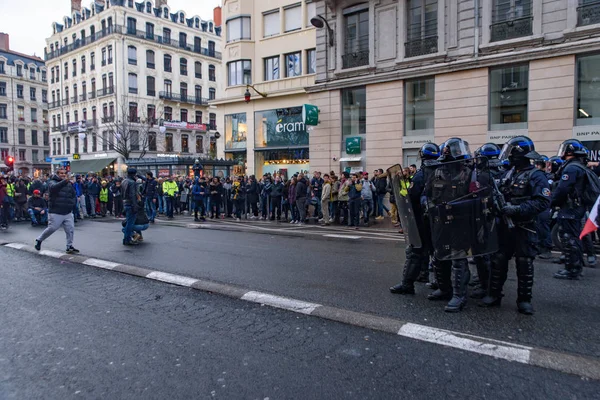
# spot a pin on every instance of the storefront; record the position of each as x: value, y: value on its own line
x: 280, y: 142
x: 236, y: 133
x: 173, y: 164
x: 102, y: 164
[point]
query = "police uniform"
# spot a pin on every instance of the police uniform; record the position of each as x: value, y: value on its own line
x: 543, y: 226
x: 527, y: 190
x: 572, y: 211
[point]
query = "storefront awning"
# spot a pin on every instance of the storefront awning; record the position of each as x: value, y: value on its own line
x: 85, y: 166
x: 351, y: 159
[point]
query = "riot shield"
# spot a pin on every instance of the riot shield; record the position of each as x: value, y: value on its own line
x: 405, y: 210
x: 460, y: 207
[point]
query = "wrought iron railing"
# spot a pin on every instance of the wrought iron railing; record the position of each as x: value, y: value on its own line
x: 421, y: 47
x: 512, y: 29
x: 588, y: 14
x: 355, y: 59
x: 183, y: 98
x: 106, y: 91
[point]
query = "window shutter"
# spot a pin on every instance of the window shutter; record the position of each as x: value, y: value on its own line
x: 272, y: 24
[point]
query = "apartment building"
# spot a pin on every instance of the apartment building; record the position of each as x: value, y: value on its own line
x: 131, y: 79
x: 24, y: 132
x: 269, y: 59
x: 394, y: 74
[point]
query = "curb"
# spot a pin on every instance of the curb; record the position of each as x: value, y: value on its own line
x: 563, y: 362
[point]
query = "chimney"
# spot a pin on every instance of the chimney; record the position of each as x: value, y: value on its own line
x: 217, y: 17
x: 4, y: 41
x: 160, y: 3
x: 75, y: 6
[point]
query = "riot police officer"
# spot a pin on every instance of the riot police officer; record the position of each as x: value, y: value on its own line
x: 542, y: 222
x: 417, y: 257
x: 567, y: 196
x: 527, y: 194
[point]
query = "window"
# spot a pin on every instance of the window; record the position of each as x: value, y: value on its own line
x: 183, y: 115
x: 67, y: 145
x: 168, y: 141
x: 151, y: 141
x: 419, y: 106
x: 293, y: 65
x: 509, y: 97
x: 198, y: 69
x: 166, y: 35
x: 35, y: 155
x: 2, y: 88
x: 271, y: 68
x: 44, y: 96
x: 182, y: 40
x: 511, y: 19
x: 211, y: 48
x: 22, y: 155
x: 21, y: 113
x: 167, y: 63
x: 168, y: 87
x: 211, y: 73
x: 356, y: 34
x: 131, y: 25
x: 46, y: 136
x: 151, y: 113
x: 104, y: 141
x: 20, y: 91
x: 31, y: 73
x: 293, y: 18
x: 83, y: 64
x: 132, y: 55
x: 134, y: 140
x: 185, y: 143
x: 149, y: 30
x: 212, y: 121
x: 34, y: 138
x: 168, y: 114
x: 150, y: 59
x: 150, y: 86
x: 198, y: 116
x: 197, y: 44
x: 235, y: 131
x: 133, y: 112
x: 588, y: 87
x: 212, y: 93
x: 199, y: 144
x: 3, y: 135
x: 32, y: 93
x: 94, y: 142
x: 110, y: 57
x: 2, y: 67
x: 311, y: 61
x: 74, y: 68
x: 3, y: 111
x: 311, y: 11
x: 354, y: 111
x: 21, y: 136
x: 110, y: 80
x: 34, y: 115
x: 239, y: 73
x: 133, y: 88
x: 3, y: 152
x: 183, y: 66
x: 19, y: 70
x: 238, y: 29
x: 422, y: 28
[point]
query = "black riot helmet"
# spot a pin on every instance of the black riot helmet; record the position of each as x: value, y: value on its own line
x: 572, y: 147
x: 519, y: 151
x: 429, y: 151
x: 454, y: 149
x: 489, y: 150
x: 555, y: 163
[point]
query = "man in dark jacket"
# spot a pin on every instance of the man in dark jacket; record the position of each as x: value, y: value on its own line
x: 93, y: 193
x: 60, y: 214
x: 276, y: 194
x: 37, y: 209
x: 301, y: 188
x: 130, y: 204
x: 150, y: 195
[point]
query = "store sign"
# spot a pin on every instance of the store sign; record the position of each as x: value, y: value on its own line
x: 48, y: 159
x: 310, y: 115
x: 184, y: 125
x: 77, y: 126
x: 101, y: 155
x: 415, y: 142
x: 163, y: 173
x: 76, y: 156
x: 166, y: 155
x: 353, y: 145
x: 281, y: 127
x: 503, y: 137
x: 594, y: 148
x: 583, y: 133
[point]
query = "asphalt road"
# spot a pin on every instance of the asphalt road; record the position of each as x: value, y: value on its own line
x: 71, y: 331
x: 352, y: 275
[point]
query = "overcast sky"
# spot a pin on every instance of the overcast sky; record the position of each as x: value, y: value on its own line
x: 29, y: 23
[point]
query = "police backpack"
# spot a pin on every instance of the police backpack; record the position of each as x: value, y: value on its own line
x: 591, y: 190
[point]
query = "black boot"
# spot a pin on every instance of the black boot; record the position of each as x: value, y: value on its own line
x: 483, y: 268
x: 573, y: 260
x: 525, y: 284
x: 443, y: 275
x: 411, y: 272
x: 499, y: 270
x: 460, y: 283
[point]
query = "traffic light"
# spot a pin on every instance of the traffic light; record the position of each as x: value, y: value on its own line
x: 10, y: 162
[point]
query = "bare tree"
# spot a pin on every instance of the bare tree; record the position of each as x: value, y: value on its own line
x: 129, y: 133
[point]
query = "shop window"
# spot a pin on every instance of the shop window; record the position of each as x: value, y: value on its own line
x: 509, y: 97
x: 236, y: 130
x: 588, y: 90
x: 419, y: 107
x: 280, y: 127
x: 354, y: 111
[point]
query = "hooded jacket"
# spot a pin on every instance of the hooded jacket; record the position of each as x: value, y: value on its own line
x: 62, y: 196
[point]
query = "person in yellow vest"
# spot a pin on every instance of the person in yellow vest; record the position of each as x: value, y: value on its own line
x: 169, y: 190
x: 10, y: 194
x: 103, y: 198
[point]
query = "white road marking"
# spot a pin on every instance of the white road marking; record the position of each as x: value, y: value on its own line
x: 50, y: 253
x: 474, y: 344
x: 17, y: 246
x: 172, y: 278
x: 94, y: 262
x: 333, y: 235
x: 298, y: 306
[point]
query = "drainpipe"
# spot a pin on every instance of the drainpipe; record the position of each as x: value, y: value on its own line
x: 476, y: 30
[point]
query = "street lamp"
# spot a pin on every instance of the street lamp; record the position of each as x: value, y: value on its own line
x: 248, y: 95
x: 162, y: 129
x: 81, y: 135
x: 319, y: 22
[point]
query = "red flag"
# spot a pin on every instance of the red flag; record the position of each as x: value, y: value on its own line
x: 592, y: 223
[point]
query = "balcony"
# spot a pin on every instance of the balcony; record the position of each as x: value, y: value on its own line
x: 82, y: 97
x: 512, y: 29
x: 65, y: 77
x: 92, y: 94
x: 105, y: 91
x: 183, y: 98
x: 74, y: 100
x: 33, y: 98
x: 54, y: 104
x: 355, y: 59
x: 132, y: 61
x: 198, y: 75
x: 588, y: 14
x: 103, y: 63
x: 421, y: 47
x: 150, y: 65
x: 211, y: 127
x: 59, y: 128
x: 83, y: 70
x: 52, y: 80
x: 151, y: 93
x: 134, y: 119
x: 133, y: 90
x: 110, y: 118
x: 110, y: 60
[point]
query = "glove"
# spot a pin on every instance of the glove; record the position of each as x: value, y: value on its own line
x: 511, y: 210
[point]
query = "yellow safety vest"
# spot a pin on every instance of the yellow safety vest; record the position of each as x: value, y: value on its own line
x: 10, y: 190
x: 170, y: 188
x: 404, y: 185
x: 104, y: 195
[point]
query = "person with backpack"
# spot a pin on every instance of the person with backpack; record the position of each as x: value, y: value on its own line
x: 577, y: 190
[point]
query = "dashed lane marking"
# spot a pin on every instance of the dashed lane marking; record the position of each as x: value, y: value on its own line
x: 333, y: 235
x: 50, y: 253
x: 298, y: 306
x: 94, y: 262
x: 17, y: 246
x: 172, y: 278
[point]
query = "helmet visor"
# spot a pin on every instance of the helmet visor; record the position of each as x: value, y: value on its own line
x: 455, y: 149
x: 506, y: 150
x: 562, y: 149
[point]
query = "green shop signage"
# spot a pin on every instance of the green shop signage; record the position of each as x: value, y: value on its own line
x: 282, y: 127
x: 353, y: 145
